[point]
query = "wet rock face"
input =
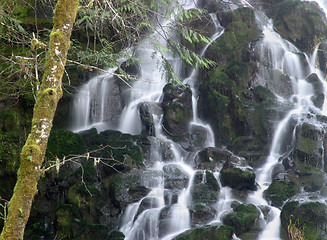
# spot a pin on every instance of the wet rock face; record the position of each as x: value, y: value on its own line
x: 211, y: 158
x: 319, y: 97
x: 309, y: 145
x: 175, y: 177
x: 177, y: 109
x: 309, y: 217
x: 126, y: 188
x: 302, y: 23
x: 243, y: 218
x: 237, y: 174
x: 146, y: 110
x: 280, y: 191
x: 322, y: 57
x: 204, y: 196
x: 222, y: 232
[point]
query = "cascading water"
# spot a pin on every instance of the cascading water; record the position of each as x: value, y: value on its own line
x: 284, y: 57
x: 167, y: 212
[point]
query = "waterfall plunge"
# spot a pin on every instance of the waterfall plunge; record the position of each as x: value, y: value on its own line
x: 281, y: 55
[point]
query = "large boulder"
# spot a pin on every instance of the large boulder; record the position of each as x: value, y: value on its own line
x: 280, y: 191
x: 208, y: 232
x: 243, y: 218
x: 319, y: 97
x: 212, y: 158
x: 177, y: 110
x: 204, y: 195
x: 309, y: 145
x: 302, y: 23
x: 147, y: 109
x: 175, y: 177
x: 237, y: 174
x: 322, y: 57
x: 308, y: 219
x: 127, y: 188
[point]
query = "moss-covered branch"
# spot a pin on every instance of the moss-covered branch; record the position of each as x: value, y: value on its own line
x: 46, y: 103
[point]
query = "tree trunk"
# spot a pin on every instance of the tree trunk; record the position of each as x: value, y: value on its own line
x: 50, y: 92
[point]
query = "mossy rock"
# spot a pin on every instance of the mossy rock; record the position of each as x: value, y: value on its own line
x: 211, y: 181
x: 126, y: 188
x: 10, y: 147
x: 238, y: 178
x: 302, y: 23
x: 208, y: 232
x: 223, y: 86
x: 70, y: 226
x: 116, y: 235
x: 115, y: 147
x: 279, y: 191
x: 87, y: 198
x: 309, y: 217
x: 243, y: 218
x: 211, y: 158
x: 177, y: 109
x: 263, y: 94
x: 62, y: 143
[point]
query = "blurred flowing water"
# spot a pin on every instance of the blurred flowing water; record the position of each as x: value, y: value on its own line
x: 167, y: 213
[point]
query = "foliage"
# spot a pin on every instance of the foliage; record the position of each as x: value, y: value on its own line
x: 102, y: 32
x: 294, y: 231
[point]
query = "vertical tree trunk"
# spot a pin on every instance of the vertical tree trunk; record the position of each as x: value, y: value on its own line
x: 50, y: 92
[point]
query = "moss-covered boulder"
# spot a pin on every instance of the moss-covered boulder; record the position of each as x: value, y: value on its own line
x: 204, y: 194
x: 280, y: 191
x: 223, y: 86
x: 146, y: 111
x: 309, y: 145
x: 175, y: 177
x: 243, y: 218
x: 319, y: 97
x: 63, y: 143
x: 211, y: 158
x: 124, y: 189
x: 322, y: 57
x: 177, y: 110
x: 71, y: 227
x: 302, y: 23
x: 208, y: 232
x: 310, y: 218
x: 237, y: 174
x: 113, y: 147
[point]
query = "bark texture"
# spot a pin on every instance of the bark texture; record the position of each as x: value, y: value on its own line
x: 50, y: 92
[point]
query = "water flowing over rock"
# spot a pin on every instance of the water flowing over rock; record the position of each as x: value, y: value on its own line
x: 177, y: 109
x: 237, y: 174
x: 236, y: 152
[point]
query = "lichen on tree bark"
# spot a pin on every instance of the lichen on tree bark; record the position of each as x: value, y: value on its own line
x: 50, y: 92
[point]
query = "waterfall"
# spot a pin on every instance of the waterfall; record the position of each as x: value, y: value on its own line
x: 168, y: 211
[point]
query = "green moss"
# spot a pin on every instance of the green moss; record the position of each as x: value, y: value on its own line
x: 115, y: 146
x: 309, y: 216
x: 237, y: 178
x: 202, y: 193
x: 263, y: 94
x: 63, y: 143
x: 212, y: 181
x: 280, y: 191
x: 222, y: 232
x: 306, y: 145
x: 299, y: 22
x: 243, y: 218
x: 116, y: 235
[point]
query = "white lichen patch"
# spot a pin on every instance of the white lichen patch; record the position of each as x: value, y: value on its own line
x: 54, y: 68
x: 43, y: 132
x: 66, y: 26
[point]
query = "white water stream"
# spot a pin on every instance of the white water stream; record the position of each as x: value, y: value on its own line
x: 93, y: 110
